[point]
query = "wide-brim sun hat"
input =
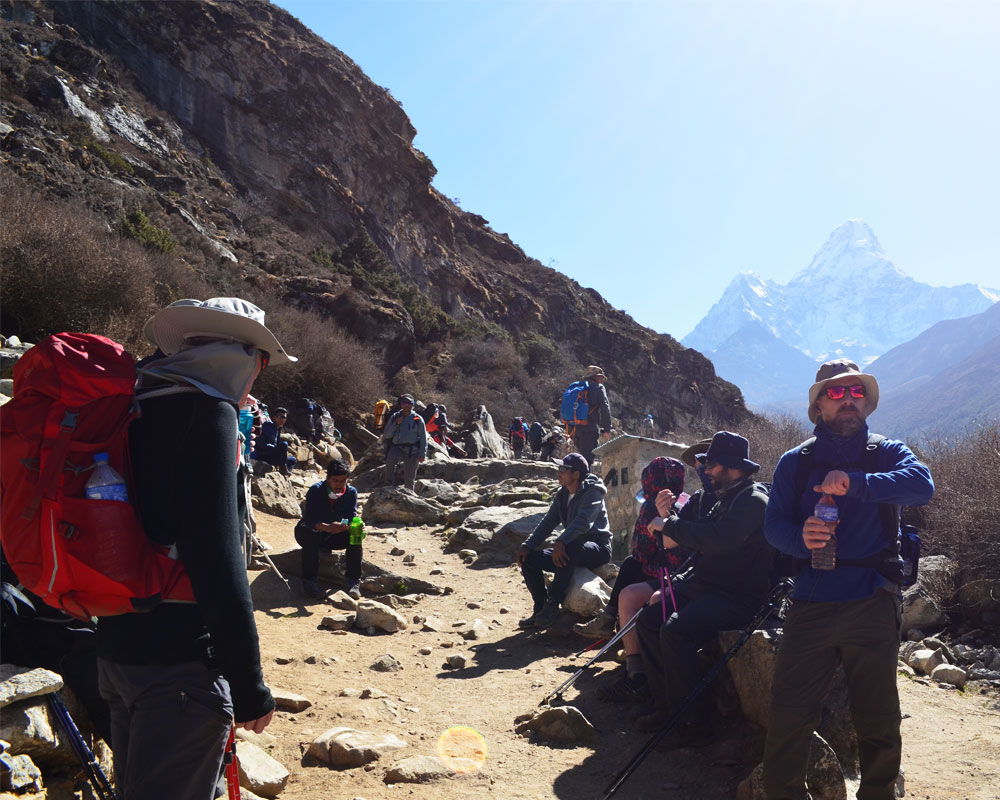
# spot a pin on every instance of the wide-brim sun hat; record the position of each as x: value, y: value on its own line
x: 842, y: 368
x: 217, y: 317
x: 594, y: 371
x: 690, y: 455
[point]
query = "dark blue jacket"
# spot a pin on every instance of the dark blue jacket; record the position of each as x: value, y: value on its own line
x: 901, y: 479
x: 319, y: 507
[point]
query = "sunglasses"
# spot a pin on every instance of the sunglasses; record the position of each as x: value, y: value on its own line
x: 857, y: 391
x: 562, y: 468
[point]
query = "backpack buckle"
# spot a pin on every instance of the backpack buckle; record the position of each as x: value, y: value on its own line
x: 68, y: 531
x: 68, y: 424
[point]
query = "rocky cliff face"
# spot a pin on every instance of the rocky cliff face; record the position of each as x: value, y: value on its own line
x: 269, y: 143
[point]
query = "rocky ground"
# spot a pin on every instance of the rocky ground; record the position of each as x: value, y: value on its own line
x: 952, y: 738
x: 419, y: 689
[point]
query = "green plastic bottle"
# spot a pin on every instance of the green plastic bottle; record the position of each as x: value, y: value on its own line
x: 357, y: 530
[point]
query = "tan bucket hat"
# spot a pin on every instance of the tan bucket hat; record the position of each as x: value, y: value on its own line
x: 594, y: 371
x: 842, y: 368
x: 689, y: 456
x: 222, y: 317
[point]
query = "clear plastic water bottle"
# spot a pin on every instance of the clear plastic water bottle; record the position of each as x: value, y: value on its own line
x: 104, y: 482
x: 826, y: 557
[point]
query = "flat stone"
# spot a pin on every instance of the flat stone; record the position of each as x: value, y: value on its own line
x: 950, y: 674
x: 20, y: 683
x: 417, y: 769
x: 339, y: 622
x: 259, y: 772
x: 289, y: 701
x: 349, y: 747
x: 386, y: 663
x: 376, y: 615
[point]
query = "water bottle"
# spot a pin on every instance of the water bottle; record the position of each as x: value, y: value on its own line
x: 246, y: 428
x: 104, y: 483
x: 826, y: 557
x: 357, y: 531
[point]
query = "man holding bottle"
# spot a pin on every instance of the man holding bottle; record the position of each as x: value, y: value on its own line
x: 845, y: 605
x: 330, y: 508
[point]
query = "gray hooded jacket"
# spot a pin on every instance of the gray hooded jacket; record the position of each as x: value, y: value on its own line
x: 584, y: 516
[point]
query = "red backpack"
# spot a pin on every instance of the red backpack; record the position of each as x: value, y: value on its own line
x: 74, y: 396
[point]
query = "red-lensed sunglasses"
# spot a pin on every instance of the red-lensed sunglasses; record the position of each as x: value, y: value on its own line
x: 857, y: 391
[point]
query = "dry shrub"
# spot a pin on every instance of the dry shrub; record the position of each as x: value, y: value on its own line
x: 62, y: 270
x: 962, y: 521
x: 333, y: 367
x: 771, y: 436
x: 493, y: 373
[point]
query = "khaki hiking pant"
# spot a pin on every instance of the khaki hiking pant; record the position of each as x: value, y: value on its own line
x: 863, y: 635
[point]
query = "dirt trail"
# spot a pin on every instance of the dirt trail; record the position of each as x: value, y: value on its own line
x: 951, y: 740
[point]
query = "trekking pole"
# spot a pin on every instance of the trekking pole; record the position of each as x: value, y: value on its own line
x: 86, y: 757
x: 772, y: 603
x: 232, y: 766
x: 611, y: 643
x: 270, y: 563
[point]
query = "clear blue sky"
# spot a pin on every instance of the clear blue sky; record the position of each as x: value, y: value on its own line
x: 652, y: 149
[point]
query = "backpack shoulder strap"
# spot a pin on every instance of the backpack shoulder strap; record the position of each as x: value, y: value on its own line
x: 803, y: 466
x: 888, y: 513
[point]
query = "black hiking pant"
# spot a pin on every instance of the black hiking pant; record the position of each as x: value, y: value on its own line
x: 863, y: 635
x: 312, y: 542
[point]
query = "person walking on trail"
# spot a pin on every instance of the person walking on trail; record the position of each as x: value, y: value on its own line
x: 329, y: 508
x: 638, y: 579
x: 586, y: 437
x: 729, y: 582
x: 518, y: 436
x: 585, y: 541
x: 177, y: 676
x: 849, y: 614
x: 405, y: 437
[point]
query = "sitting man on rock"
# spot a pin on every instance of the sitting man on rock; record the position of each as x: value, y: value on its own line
x: 585, y: 541
x: 728, y: 583
x: 270, y: 447
x: 329, y: 508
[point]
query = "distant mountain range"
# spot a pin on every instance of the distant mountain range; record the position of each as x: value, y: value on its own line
x: 851, y: 301
x: 945, y: 380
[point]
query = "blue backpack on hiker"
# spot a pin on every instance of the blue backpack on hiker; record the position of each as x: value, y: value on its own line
x: 574, y: 408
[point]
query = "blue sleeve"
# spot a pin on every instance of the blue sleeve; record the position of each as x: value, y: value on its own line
x: 782, y: 524
x: 906, y: 481
x: 588, y: 509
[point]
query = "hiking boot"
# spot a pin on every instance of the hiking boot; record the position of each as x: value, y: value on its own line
x: 651, y: 723
x: 529, y: 622
x: 689, y: 734
x: 547, y: 616
x: 627, y: 690
x: 354, y: 589
x: 311, y: 588
x: 600, y: 627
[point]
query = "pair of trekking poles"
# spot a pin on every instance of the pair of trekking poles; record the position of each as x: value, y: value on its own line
x: 770, y: 605
x: 92, y: 767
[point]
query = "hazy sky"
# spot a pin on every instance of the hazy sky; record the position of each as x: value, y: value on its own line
x: 652, y: 149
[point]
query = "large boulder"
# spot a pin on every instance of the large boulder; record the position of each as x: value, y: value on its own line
x: 587, y: 594
x: 275, y: 494
x: 824, y: 776
x: 750, y: 674
x: 925, y: 602
x: 481, y: 439
x: 500, y: 530
x: 399, y: 506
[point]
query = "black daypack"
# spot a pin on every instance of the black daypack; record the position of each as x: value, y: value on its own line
x: 899, y: 561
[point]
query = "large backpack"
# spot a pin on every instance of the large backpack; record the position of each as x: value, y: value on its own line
x: 381, y: 415
x: 575, y: 408
x: 74, y: 396
x: 535, y: 434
